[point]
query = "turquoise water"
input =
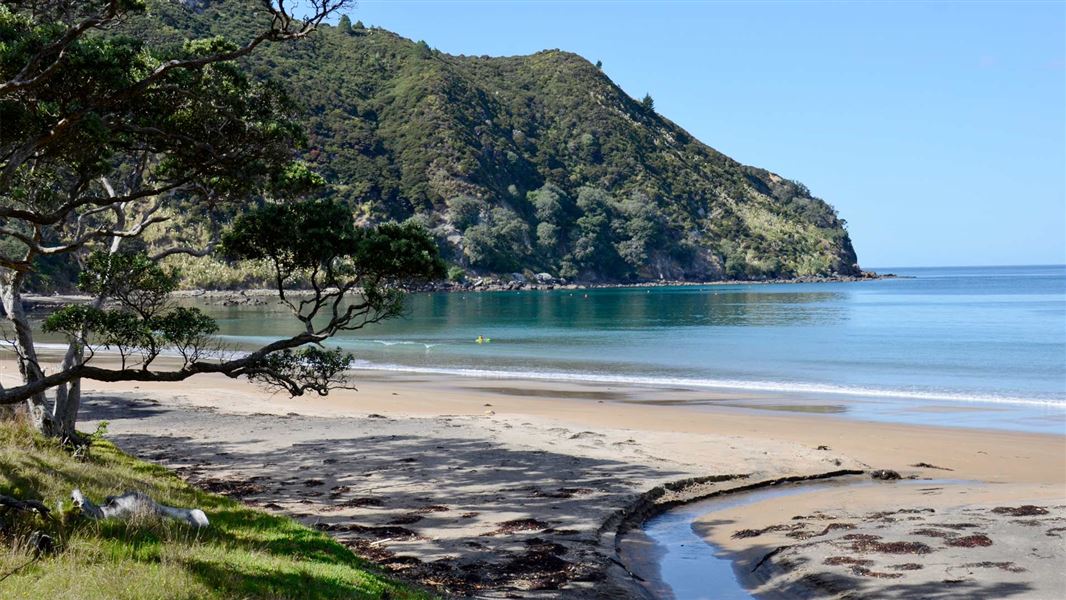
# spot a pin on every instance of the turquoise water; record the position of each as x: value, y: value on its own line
x: 987, y: 344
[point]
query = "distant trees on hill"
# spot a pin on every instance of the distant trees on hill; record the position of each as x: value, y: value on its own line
x: 594, y: 234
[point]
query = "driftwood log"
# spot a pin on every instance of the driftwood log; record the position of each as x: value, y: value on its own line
x: 8, y: 503
x: 41, y: 542
x: 132, y: 504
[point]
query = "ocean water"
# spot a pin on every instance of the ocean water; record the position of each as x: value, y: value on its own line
x: 981, y: 346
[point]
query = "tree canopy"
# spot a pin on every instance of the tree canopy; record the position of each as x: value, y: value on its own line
x: 108, y: 135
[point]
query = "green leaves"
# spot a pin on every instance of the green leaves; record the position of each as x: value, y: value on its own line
x: 307, y: 369
x: 88, y: 326
x: 301, y: 235
x: 397, y: 252
x: 72, y: 319
x: 209, y: 46
x: 319, y: 235
x: 315, y: 243
x: 500, y: 243
x: 647, y: 103
x: 142, y: 322
x: 111, y: 99
x: 465, y: 211
x: 187, y: 331
x: 295, y: 180
x: 133, y: 278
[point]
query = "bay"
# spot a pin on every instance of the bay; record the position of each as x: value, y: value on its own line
x: 929, y: 346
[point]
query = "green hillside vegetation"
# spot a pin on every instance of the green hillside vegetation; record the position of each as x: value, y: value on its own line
x: 527, y: 163
x: 245, y: 553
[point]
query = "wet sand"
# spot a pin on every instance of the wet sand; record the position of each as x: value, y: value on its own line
x: 515, y: 487
x: 901, y: 540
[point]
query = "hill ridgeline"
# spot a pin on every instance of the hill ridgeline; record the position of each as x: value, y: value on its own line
x: 533, y: 163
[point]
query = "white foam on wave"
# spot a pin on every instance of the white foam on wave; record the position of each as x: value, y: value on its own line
x: 166, y: 351
x: 730, y: 384
x: 727, y: 384
x: 425, y: 345
x: 344, y: 343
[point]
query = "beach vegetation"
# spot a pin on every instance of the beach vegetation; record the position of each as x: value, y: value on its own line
x: 243, y: 553
x: 118, y: 154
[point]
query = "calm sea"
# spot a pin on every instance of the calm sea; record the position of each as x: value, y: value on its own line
x: 983, y: 346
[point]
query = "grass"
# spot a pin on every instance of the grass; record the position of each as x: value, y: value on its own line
x: 245, y: 553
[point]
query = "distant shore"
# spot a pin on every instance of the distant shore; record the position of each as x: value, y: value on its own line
x: 497, y: 487
x: 497, y: 283
x: 34, y: 301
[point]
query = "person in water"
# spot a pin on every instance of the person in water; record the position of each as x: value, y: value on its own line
x: 482, y: 339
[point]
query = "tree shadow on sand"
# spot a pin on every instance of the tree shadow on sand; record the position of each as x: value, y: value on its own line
x: 461, y: 512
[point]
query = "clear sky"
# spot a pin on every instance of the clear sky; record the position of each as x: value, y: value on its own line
x: 937, y: 129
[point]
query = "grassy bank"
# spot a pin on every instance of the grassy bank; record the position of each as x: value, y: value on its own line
x: 245, y: 553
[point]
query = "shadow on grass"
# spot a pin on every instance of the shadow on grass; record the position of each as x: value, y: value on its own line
x: 245, y: 553
x: 240, y: 581
x: 18, y: 482
x: 279, y: 536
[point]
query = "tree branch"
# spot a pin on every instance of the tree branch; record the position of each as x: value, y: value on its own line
x: 233, y: 368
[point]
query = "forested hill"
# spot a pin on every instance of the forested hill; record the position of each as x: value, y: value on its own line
x: 527, y: 163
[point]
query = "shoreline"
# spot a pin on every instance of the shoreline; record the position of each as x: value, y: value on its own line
x: 520, y: 487
x: 39, y: 300
x: 859, y: 404
x: 768, y: 391
x: 497, y: 283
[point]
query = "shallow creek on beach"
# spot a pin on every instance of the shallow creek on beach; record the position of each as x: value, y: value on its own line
x: 675, y: 562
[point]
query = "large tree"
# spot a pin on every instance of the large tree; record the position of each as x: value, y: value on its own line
x: 105, y: 136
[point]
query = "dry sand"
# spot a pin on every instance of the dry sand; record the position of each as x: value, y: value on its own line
x: 514, y: 488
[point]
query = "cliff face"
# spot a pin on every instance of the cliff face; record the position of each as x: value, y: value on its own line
x: 532, y: 162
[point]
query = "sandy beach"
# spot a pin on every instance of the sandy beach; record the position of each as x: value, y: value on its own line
x: 900, y: 540
x: 515, y: 488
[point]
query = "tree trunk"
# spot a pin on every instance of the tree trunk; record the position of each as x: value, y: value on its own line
x: 68, y: 402
x: 68, y: 396
x: 29, y: 367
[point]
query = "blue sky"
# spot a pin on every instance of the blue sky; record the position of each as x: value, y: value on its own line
x: 938, y: 130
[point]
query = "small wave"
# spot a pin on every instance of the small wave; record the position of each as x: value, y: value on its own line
x: 729, y: 384
x: 343, y: 342
x: 50, y: 346
x: 167, y: 351
x: 425, y: 345
x: 726, y: 384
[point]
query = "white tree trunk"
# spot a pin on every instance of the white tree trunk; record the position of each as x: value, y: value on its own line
x: 68, y: 396
x: 65, y: 409
x: 29, y: 368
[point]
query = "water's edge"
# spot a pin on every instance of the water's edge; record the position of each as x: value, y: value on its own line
x: 666, y: 558
x: 661, y: 499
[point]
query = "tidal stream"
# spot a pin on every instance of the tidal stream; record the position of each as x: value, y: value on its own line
x: 676, y: 563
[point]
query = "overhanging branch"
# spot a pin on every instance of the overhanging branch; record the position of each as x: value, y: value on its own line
x: 233, y: 368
